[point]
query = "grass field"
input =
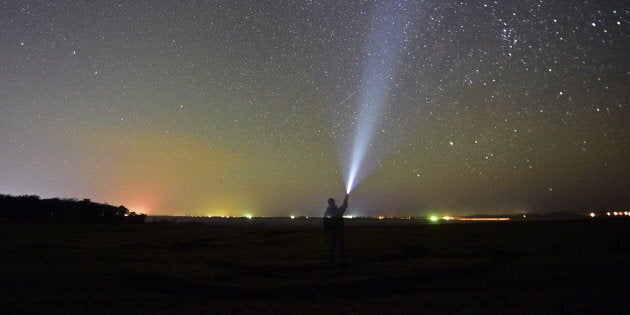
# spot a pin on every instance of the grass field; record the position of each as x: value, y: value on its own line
x: 570, y: 267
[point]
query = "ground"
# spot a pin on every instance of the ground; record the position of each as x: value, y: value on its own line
x: 487, y: 268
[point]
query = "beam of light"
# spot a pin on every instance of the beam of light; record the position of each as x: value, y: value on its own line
x: 381, y: 58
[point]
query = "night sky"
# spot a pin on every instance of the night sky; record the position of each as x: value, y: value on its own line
x: 237, y: 107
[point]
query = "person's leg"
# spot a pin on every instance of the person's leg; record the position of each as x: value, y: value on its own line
x: 330, y: 243
x: 342, y: 247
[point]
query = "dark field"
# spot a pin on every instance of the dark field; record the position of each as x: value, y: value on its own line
x: 569, y: 267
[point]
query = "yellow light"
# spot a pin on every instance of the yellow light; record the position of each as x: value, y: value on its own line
x: 380, y: 217
x: 592, y: 214
x: 292, y: 217
x: 447, y: 218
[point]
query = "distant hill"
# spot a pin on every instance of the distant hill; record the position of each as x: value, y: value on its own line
x: 33, y: 208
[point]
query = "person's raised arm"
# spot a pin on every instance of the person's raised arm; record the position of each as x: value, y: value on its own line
x: 344, y: 205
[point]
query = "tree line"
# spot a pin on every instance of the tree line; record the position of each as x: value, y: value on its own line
x: 33, y: 208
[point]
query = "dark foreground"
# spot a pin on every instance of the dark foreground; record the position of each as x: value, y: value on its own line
x: 510, y: 268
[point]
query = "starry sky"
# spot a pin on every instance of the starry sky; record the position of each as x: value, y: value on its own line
x: 237, y: 107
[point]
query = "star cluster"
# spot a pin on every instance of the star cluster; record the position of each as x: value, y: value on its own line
x: 232, y: 107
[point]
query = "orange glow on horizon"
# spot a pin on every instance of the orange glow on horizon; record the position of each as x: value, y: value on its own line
x: 484, y: 219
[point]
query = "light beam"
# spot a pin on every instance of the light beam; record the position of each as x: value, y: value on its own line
x: 381, y: 58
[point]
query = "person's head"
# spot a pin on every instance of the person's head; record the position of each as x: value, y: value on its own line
x: 331, y: 202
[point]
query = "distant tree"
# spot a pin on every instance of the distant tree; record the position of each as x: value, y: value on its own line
x: 32, y: 208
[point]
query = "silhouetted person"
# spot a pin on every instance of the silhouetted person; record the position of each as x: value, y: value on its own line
x: 333, y: 228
